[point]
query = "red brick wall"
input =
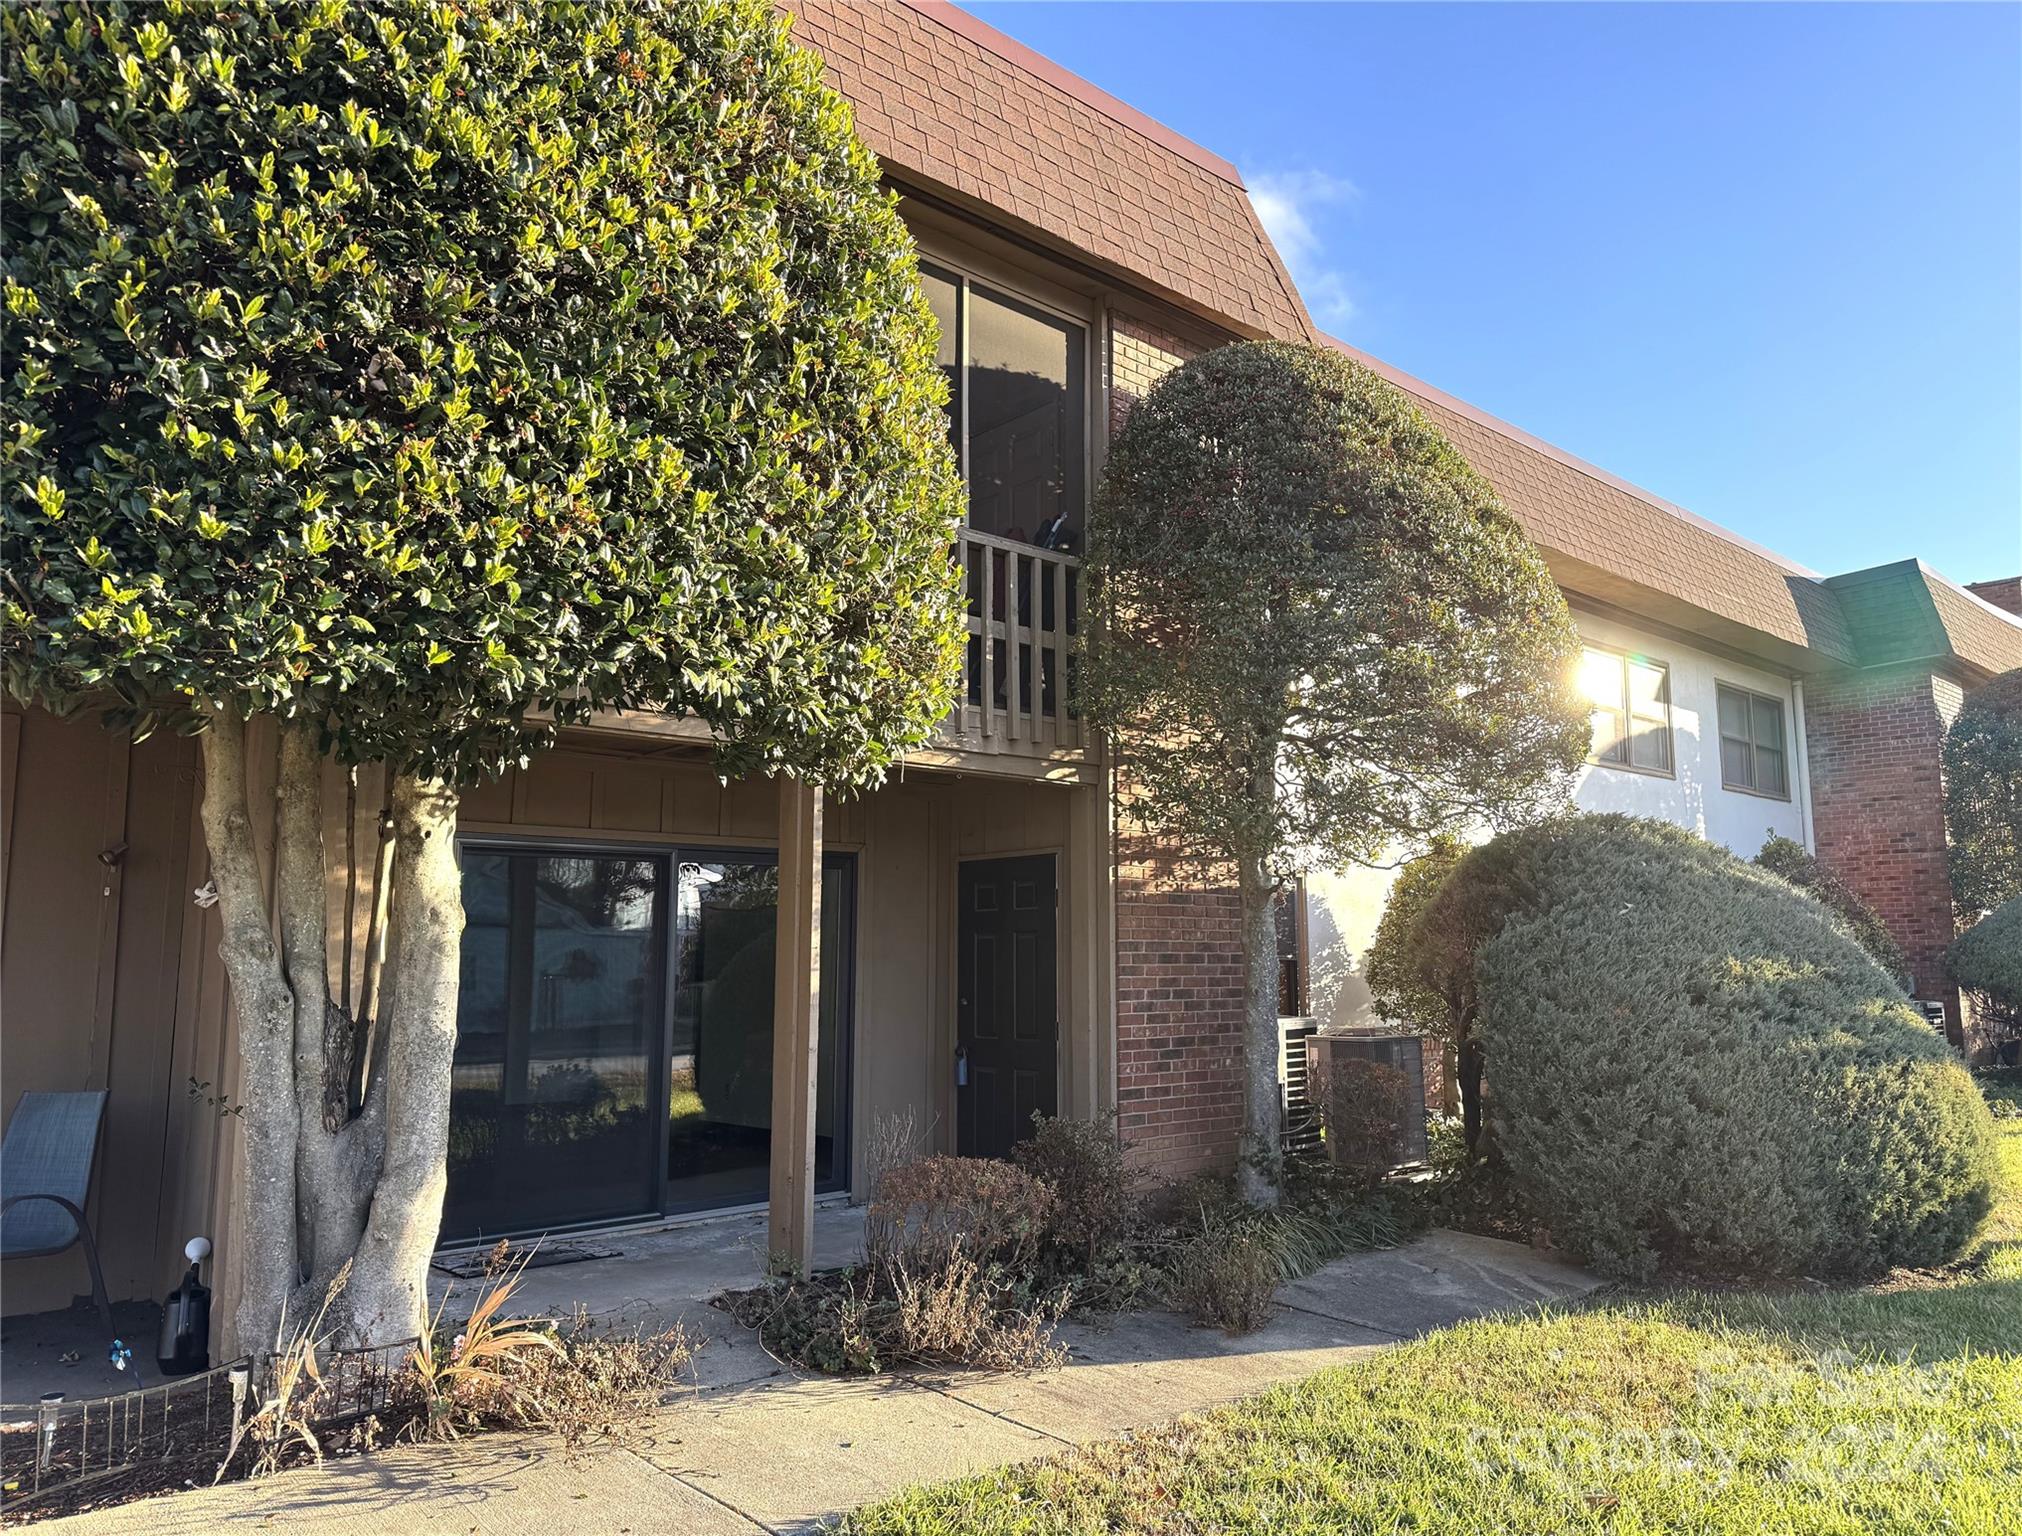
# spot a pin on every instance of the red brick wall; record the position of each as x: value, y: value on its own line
x: 1179, y: 1018
x: 1877, y: 791
x: 1179, y: 952
x: 2005, y: 593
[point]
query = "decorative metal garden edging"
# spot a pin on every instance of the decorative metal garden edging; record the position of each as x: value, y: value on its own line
x: 179, y: 1433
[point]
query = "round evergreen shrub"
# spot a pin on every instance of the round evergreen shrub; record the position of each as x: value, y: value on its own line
x: 1982, y: 757
x: 1987, y: 957
x: 1694, y: 1065
x: 1792, y: 861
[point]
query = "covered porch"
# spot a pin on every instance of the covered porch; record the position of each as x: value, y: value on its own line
x: 682, y: 995
x: 667, y: 1012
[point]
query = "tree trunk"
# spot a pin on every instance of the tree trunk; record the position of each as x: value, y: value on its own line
x: 264, y: 1008
x: 385, y: 1299
x: 332, y: 1182
x: 1470, y: 1055
x: 1263, y: 1160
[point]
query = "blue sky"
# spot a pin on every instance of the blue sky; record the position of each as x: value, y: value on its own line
x: 1763, y: 260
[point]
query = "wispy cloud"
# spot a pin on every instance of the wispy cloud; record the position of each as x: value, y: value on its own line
x: 1286, y: 202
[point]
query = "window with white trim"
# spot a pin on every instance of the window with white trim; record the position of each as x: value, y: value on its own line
x: 1630, y: 702
x: 1752, y: 752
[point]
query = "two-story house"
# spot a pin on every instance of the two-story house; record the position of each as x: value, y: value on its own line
x: 971, y: 942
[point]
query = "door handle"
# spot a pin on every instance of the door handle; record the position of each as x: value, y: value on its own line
x: 961, y: 1066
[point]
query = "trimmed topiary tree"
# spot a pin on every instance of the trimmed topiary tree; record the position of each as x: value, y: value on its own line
x: 1318, y: 636
x: 1695, y: 1066
x: 1987, y: 957
x: 1982, y: 759
x: 426, y: 377
x: 1790, y: 860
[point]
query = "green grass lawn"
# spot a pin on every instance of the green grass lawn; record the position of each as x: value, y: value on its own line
x: 1891, y: 1409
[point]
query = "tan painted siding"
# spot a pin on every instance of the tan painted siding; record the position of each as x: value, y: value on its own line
x: 110, y: 975
x: 91, y: 985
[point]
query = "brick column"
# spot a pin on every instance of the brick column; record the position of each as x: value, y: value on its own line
x: 1179, y: 1015
x: 1872, y: 740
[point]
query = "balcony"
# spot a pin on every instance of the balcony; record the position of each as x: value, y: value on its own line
x: 1020, y: 673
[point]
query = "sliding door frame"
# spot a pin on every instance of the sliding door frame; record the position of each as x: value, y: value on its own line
x: 670, y: 855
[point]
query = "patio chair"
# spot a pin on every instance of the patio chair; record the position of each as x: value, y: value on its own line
x: 45, y: 1183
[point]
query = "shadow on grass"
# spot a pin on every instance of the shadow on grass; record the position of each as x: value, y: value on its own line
x: 1946, y: 1320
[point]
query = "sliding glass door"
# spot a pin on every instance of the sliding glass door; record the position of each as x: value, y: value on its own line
x: 720, y: 1059
x: 553, y: 1092
x: 614, y: 1035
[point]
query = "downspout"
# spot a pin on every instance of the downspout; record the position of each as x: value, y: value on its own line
x: 1802, y: 751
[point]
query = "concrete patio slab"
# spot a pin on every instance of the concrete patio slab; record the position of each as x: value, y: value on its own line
x: 653, y: 1271
x: 66, y: 1351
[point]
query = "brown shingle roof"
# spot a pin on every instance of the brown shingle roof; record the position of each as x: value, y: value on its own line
x: 1980, y: 633
x: 1612, y: 542
x: 953, y: 106
x: 1908, y: 612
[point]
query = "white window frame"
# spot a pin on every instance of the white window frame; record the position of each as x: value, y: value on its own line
x: 1625, y: 708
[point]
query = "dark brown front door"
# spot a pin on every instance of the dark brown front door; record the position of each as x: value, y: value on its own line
x: 1007, y: 1025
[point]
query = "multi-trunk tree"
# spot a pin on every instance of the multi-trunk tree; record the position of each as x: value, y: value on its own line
x: 1318, y: 638
x: 423, y: 378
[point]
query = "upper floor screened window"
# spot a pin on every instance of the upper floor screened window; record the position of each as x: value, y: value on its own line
x: 1752, y: 754
x: 1017, y: 410
x: 1630, y: 697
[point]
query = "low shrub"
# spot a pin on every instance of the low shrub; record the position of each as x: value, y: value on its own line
x: 866, y: 1320
x: 950, y: 1277
x: 959, y: 1314
x: 1082, y: 1163
x: 1445, y: 1146
x: 923, y: 1213
x: 1227, y: 1279
x: 1987, y: 957
x: 1695, y: 1066
x: 1364, y: 1106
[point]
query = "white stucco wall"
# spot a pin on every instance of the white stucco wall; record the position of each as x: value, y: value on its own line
x: 1342, y: 909
x: 1693, y: 796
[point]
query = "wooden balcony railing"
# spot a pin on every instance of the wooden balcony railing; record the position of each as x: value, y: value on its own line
x: 1020, y: 674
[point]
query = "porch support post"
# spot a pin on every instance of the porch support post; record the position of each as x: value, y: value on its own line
x: 796, y: 1015
x: 1088, y: 1043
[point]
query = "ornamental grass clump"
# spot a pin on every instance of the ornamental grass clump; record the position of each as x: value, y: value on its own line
x: 1694, y: 1066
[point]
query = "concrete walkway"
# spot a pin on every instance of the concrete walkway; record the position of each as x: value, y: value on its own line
x: 756, y: 1447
